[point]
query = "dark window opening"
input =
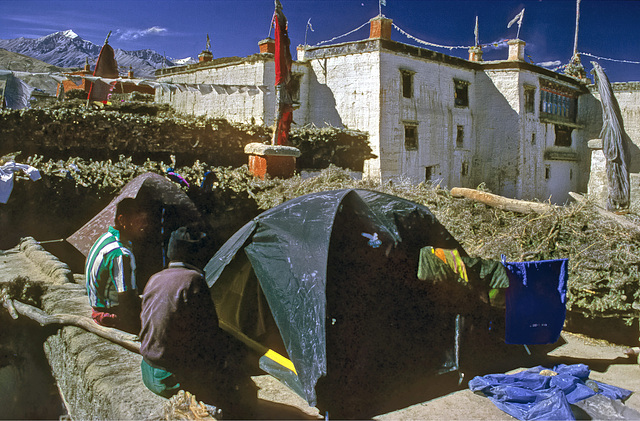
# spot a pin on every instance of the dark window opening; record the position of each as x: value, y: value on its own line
x: 571, y: 174
x: 533, y: 138
x: 460, y: 137
x: 529, y: 99
x: 465, y: 169
x: 563, y: 136
x: 428, y: 173
x: 407, y: 84
x: 547, y: 172
x: 410, y: 137
x: 294, y: 87
x: 461, y: 93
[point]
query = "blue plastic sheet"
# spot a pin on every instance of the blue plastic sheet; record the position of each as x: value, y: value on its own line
x: 528, y: 395
x: 535, y: 301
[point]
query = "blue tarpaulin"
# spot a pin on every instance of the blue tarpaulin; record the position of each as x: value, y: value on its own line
x: 528, y: 395
x: 535, y: 301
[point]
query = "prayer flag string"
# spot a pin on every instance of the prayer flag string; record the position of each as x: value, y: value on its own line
x: 610, y: 59
x: 344, y: 35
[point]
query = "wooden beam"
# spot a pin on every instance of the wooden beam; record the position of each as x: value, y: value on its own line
x: 126, y: 340
x: 500, y: 202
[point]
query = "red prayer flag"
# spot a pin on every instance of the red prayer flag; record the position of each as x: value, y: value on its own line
x: 283, y: 53
x: 284, y: 104
x: 107, y: 67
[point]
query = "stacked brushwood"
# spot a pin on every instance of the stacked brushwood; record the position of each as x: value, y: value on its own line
x: 604, y: 256
x: 143, y: 130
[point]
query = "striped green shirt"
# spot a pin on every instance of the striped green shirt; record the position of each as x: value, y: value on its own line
x: 109, y: 270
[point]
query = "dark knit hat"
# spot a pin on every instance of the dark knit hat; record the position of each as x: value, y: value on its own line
x: 185, y: 244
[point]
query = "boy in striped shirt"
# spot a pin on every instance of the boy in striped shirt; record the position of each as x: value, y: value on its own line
x: 110, y: 269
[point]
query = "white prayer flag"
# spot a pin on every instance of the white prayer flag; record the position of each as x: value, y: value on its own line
x: 517, y: 18
x: 475, y: 31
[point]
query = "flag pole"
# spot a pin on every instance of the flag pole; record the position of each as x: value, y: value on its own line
x: 575, y: 40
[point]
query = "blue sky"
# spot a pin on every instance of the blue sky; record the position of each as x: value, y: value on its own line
x: 608, y: 29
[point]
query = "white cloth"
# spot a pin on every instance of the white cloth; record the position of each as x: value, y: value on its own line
x: 6, y: 177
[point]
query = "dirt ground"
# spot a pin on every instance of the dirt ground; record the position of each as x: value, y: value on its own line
x: 606, y: 361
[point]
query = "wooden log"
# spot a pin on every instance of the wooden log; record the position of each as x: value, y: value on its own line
x: 8, y: 304
x: 116, y: 336
x: 500, y: 202
x: 633, y: 228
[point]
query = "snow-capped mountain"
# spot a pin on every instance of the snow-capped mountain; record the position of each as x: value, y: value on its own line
x: 184, y: 61
x: 68, y: 49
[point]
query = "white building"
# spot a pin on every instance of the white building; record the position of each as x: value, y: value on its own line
x: 519, y: 128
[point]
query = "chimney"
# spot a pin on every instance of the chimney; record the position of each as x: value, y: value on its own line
x: 130, y: 73
x: 267, y: 45
x: 87, y: 66
x: 380, y: 27
x: 475, y: 53
x: 205, y: 56
x: 516, y: 49
x: 300, y: 52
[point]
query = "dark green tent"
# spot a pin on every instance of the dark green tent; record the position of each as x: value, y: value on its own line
x: 327, y: 279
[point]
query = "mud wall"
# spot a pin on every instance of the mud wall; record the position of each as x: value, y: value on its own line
x: 96, y: 378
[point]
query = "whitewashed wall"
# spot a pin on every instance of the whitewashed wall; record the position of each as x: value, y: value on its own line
x: 433, y: 109
x: 512, y: 142
x: 255, y: 106
x: 498, y: 133
x: 344, y: 91
x: 359, y: 86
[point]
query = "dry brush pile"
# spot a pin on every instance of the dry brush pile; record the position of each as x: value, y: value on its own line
x: 145, y: 130
x: 603, y: 257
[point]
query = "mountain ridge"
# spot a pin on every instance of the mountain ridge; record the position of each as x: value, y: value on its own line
x: 66, y: 49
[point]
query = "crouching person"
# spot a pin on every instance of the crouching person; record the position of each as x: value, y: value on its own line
x: 110, y: 269
x: 182, y: 346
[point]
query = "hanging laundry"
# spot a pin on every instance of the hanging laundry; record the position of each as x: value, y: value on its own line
x: 16, y: 91
x: 535, y: 301
x: 427, y: 267
x: 7, y: 175
x: 439, y: 265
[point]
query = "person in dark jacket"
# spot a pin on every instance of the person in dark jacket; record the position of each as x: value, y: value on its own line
x: 182, y: 346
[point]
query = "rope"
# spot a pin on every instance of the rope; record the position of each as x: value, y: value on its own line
x: 425, y: 42
x: 344, y: 35
x: 610, y: 59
